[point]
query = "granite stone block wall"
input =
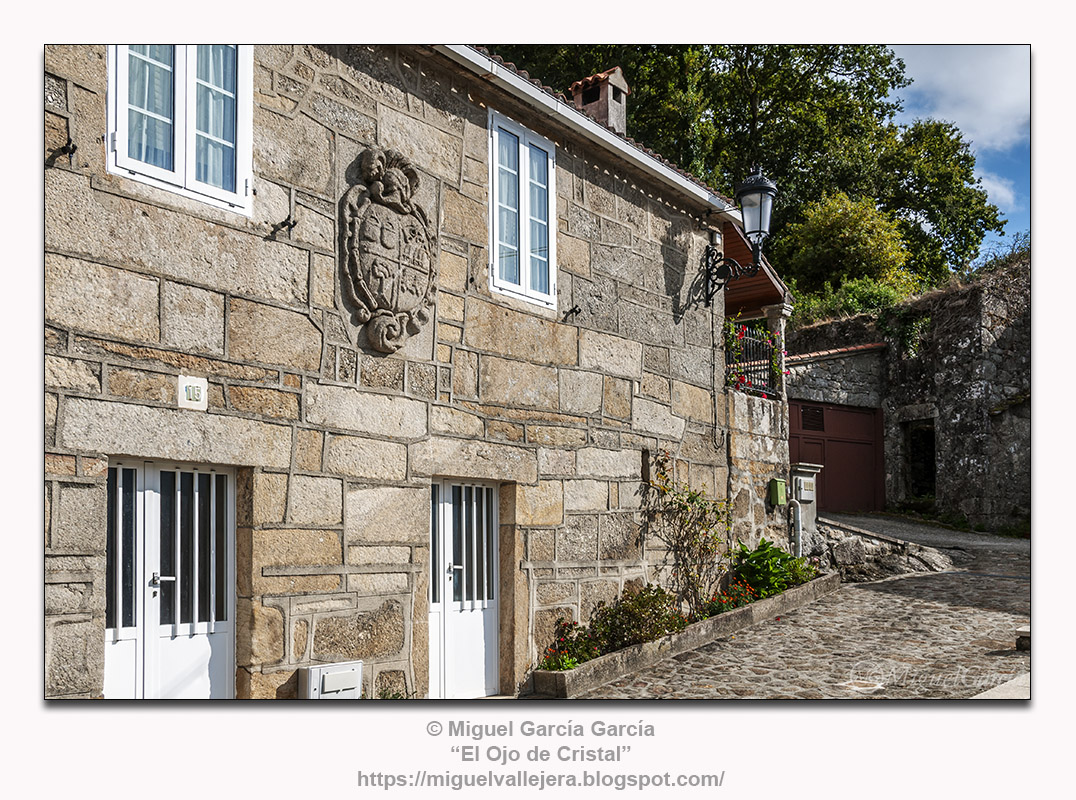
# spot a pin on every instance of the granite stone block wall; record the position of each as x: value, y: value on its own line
x: 334, y: 441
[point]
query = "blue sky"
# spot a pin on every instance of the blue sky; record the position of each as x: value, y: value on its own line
x: 986, y: 91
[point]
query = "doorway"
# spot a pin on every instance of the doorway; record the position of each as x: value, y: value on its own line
x: 464, y: 619
x: 169, y: 582
x: 847, y: 441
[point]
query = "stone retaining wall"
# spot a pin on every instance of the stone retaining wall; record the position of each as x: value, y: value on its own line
x: 859, y: 555
x: 958, y: 363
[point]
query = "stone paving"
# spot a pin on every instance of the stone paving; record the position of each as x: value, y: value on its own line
x: 932, y: 636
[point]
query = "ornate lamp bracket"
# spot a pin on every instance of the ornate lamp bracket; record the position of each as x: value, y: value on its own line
x: 720, y: 270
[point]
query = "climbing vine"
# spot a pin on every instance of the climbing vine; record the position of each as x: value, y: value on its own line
x: 696, y: 531
x: 907, y: 327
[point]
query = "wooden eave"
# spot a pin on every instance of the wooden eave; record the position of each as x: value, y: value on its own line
x: 747, y: 296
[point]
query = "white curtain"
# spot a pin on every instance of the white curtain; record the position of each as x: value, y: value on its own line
x: 215, y: 116
x: 150, y: 88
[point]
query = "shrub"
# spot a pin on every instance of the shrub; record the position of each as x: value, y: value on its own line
x: 800, y: 570
x: 859, y: 296
x: 738, y: 594
x: 765, y: 568
x: 770, y: 570
x: 572, y: 645
x: 636, y: 617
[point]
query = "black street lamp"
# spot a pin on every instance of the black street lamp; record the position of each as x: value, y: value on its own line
x: 755, y: 198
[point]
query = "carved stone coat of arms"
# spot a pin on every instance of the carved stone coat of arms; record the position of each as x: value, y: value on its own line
x: 389, y: 272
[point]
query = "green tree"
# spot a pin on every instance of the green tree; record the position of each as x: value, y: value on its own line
x: 926, y: 179
x: 817, y: 118
x: 841, y: 239
x: 668, y: 109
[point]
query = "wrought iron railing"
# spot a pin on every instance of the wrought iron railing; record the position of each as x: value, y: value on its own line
x: 753, y: 360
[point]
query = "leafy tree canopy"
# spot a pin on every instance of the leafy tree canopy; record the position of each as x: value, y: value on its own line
x: 841, y: 239
x: 819, y: 120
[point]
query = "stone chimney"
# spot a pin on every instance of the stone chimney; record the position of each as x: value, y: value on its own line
x: 604, y: 97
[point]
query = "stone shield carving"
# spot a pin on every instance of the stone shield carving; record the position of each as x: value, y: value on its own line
x: 389, y: 275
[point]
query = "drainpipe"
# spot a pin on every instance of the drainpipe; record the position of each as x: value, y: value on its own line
x: 797, y: 527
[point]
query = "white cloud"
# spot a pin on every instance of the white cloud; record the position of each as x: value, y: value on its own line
x: 1001, y: 191
x: 984, y: 89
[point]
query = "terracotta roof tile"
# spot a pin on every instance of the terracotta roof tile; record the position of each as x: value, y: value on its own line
x: 589, y: 81
x: 840, y: 351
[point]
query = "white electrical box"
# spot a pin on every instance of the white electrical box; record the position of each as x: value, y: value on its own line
x: 805, y: 490
x: 342, y: 681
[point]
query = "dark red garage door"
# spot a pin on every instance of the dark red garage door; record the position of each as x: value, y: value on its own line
x: 847, y: 442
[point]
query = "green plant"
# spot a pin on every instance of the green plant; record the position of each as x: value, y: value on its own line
x: 634, y: 618
x: 738, y: 594
x: 694, y: 529
x: 765, y: 568
x: 800, y: 570
x: 908, y: 327
x: 637, y: 617
x: 735, y: 334
x: 572, y: 645
x: 858, y: 296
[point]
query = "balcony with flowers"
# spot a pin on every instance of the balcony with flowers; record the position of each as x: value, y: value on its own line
x: 754, y: 359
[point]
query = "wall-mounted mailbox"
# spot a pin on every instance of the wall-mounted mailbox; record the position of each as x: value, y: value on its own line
x: 341, y: 681
x: 805, y: 489
x: 777, y: 492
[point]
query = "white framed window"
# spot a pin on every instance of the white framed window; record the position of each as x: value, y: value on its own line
x: 180, y: 118
x: 522, y: 212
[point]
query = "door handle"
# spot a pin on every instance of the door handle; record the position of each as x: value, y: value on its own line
x: 156, y: 579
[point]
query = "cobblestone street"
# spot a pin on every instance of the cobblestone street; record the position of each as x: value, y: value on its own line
x: 932, y: 636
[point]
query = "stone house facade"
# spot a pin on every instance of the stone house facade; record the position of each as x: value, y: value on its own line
x: 950, y: 373
x: 360, y: 353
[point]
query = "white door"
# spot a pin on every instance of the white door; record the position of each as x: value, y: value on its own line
x: 463, y: 590
x: 169, y: 582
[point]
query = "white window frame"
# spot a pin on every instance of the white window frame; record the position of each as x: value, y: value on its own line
x: 181, y: 178
x: 526, y: 138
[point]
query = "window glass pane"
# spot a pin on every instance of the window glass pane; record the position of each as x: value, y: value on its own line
x: 214, y: 163
x: 221, y: 549
x: 508, y: 190
x: 149, y: 140
x: 468, y: 542
x: 480, y: 544
x: 539, y: 257
x: 157, y: 52
x: 435, y: 544
x: 508, y: 246
x: 215, y: 116
x: 539, y: 166
x: 507, y: 150
x: 508, y: 266
x: 150, y: 86
x: 168, y: 548
x: 110, y: 551
x: 216, y: 65
x: 186, y: 547
x: 150, y: 114
x: 127, y: 568
x: 490, y: 580
x: 457, y: 542
x: 205, y: 551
